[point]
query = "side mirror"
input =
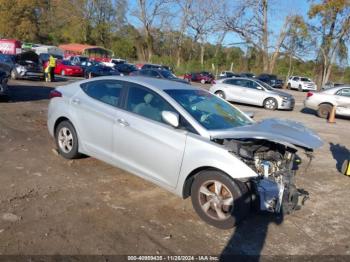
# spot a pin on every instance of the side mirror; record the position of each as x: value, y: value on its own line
x: 250, y: 114
x: 171, y: 118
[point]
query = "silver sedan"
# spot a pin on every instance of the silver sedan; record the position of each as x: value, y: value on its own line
x: 253, y: 92
x: 184, y: 139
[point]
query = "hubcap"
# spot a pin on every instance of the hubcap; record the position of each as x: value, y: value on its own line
x: 65, y: 140
x: 215, y: 200
x: 270, y: 104
x: 219, y: 94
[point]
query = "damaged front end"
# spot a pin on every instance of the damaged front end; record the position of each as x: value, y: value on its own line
x: 276, y: 164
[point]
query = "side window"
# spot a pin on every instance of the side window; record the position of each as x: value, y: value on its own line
x: 106, y: 91
x: 253, y: 85
x: 296, y: 78
x: 154, y: 74
x: 344, y: 92
x: 146, y: 103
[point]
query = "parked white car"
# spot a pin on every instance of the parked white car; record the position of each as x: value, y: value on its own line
x: 252, y: 92
x: 323, y: 101
x: 301, y: 83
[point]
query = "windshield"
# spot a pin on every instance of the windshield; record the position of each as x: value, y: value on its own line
x: 210, y: 111
x: 66, y: 62
x: 304, y: 79
x: 167, y: 74
x: 266, y: 86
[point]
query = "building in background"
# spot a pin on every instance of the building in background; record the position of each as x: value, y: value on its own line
x: 93, y: 52
x: 10, y: 46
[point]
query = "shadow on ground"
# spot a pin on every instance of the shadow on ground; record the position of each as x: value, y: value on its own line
x: 340, y: 154
x: 25, y: 93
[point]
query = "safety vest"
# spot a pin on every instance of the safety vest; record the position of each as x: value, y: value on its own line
x: 52, y: 62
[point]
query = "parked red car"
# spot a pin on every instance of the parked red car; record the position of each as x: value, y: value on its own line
x: 66, y: 68
x: 202, y: 77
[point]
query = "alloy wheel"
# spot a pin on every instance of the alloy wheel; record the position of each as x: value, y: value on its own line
x: 65, y: 139
x: 215, y: 199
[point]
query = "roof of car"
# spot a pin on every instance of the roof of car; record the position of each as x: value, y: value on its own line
x: 155, y: 83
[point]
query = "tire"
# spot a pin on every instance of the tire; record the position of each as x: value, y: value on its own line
x: 67, y: 140
x: 300, y: 88
x: 203, y: 81
x: 13, y: 74
x: 270, y: 103
x: 205, y: 201
x: 324, y: 110
x: 63, y: 73
x: 289, y: 86
x: 220, y: 94
x: 90, y: 75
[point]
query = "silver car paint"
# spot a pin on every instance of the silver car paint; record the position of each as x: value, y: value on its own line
x: 175, y: 153
x: 278, y: 130
x: 251, y: 96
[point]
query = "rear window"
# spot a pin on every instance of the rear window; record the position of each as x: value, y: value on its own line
x: 105, y: 91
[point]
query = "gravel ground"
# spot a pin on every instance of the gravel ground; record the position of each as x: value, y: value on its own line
x: 49, y: 205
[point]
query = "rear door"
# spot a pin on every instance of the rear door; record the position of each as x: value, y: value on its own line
x: 343, y: 101
x: 144, y: 143
x: 95, y: 108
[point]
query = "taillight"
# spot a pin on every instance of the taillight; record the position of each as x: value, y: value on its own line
x: 309, y: 94
x: 55, y: 93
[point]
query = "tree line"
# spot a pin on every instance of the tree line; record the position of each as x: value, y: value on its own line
x: 189, y: 34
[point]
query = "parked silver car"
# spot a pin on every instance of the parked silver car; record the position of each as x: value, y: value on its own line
x: 253, y: 92
x: 184, y: 139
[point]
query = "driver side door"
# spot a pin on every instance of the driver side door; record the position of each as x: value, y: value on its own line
x: 144, y: 144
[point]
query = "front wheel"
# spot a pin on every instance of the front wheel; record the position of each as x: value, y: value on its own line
x: 220, y: 94
x: 300, y: 88
x: 289, y: 86
x: 270, y: 103
x: 67, y: 140
x: 219, y: 200
x: 63, y: 73
x: 203, y: 81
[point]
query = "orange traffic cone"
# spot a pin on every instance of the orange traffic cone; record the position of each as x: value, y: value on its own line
x: 331, y: 118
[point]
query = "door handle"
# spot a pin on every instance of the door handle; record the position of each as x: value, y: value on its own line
x: 122, y: 122
x: 76, y: 101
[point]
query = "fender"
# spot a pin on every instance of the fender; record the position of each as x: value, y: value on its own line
x: 201, y: 152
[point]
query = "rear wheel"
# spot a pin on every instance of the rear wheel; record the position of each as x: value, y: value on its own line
x: 220, y: 94
x: 67, y: 140
x: 270, y: 103
x: 324, y: 110
x: 219, y: 200
x: 300, y: 88
x: 289, y: 86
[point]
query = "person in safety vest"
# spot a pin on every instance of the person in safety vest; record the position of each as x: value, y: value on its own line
x: 52, y: 65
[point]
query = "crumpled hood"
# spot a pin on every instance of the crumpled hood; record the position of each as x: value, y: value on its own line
x: 277, y: 130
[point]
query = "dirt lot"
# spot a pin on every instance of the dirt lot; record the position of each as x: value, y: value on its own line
x: 49, y: 205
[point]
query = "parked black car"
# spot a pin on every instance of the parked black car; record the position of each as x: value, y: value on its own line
x: 7, y: 63
x: 100, y: 70
x: 125, y: 68
x: 271, y: 80
x: 154, y: 66
x: 3, y: 83
x: 27, y: 65
x: 249, y: 75
x: 159, y: 73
